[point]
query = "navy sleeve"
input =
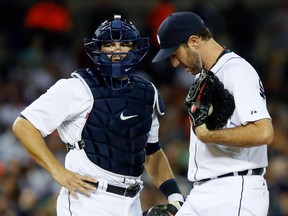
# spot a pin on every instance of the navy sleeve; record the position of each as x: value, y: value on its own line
x: 152, y: 148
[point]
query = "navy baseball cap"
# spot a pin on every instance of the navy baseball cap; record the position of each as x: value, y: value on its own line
x: 174, y: 30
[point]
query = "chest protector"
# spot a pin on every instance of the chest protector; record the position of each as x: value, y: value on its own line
x: 117, y: 128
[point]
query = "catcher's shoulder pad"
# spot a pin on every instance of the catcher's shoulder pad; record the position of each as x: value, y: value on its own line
x: 158, y: 102
x: 160, y: 105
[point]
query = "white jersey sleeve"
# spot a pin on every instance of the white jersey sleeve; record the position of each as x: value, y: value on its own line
x: 245, y: 85
x: 153, y: 134
x: 64, y: 107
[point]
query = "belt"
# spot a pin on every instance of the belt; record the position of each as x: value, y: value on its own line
x: 257, y: 171
x: 126, y: 192
x: 79, y: 145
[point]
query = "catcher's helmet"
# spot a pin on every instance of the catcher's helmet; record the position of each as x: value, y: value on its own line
x: 116, y: 29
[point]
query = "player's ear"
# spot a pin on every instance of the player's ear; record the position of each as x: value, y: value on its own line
x: 193, y: 40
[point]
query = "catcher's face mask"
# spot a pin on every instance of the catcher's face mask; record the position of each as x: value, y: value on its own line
x: 116, y: 66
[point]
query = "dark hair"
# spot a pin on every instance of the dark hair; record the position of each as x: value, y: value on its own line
x: 205, y: 34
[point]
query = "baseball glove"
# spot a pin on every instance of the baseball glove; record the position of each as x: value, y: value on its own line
x: 209, y: 102
x: 161, y: 210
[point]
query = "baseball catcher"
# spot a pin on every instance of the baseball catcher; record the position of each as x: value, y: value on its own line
x: 209, y: 102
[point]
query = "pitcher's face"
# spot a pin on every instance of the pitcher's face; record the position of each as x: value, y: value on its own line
x: 188, y: 58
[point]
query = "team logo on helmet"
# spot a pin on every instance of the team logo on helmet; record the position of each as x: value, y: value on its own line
x: 158, y: 39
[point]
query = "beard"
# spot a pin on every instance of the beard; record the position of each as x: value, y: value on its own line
x: 194, y: 62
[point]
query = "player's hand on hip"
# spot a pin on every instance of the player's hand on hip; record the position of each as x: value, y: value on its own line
x: 75, y: 182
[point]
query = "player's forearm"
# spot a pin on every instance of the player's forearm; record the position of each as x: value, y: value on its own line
x: 253, y: 134
x: 158, y: 168
x: 159, y: 171
x: 35, y: 145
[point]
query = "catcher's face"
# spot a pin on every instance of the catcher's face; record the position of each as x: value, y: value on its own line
x: 117, y: 51
x: 114, y: 47
x: 187, y: 57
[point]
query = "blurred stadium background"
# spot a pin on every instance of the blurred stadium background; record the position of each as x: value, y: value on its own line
x: 42, y: 41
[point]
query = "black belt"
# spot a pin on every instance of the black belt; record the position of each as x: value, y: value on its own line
x: 81, y: 145
x: 127, y: 192
x: 258, y: 171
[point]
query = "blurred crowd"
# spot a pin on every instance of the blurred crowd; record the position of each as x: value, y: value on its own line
x: 40, y: 43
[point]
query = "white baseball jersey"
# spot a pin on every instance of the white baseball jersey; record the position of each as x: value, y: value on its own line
x: 211, y: 160
x: 65, y: 107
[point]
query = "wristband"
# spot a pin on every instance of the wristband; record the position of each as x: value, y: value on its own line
x: 170, y: 187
